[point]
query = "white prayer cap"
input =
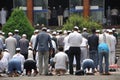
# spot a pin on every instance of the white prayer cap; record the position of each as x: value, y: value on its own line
x: 69, y: 31
x: 110, y: 31
x: 44, y: 28
x: 29, y: 47
x: 84, y: 29
x: 76, y: 27
x: 65, y: 31
x: 17, y: 49
x: 6, y: 50
x: 16, y: 30
x: 97, y: 31
x: 24, y: 35
x: 54, y: 32
x: 37, y: 25
x: 113, y: 29
x: 10, y: 33
x: 36, y: 30
x: 3, y: 33
x: 48, y: 30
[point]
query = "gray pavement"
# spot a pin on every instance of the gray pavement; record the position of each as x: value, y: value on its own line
x: 97, y: 76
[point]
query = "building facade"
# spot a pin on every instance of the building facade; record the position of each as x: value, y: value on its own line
x: 37, y: 10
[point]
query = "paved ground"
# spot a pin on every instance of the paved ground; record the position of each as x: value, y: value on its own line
x: 113, y: 76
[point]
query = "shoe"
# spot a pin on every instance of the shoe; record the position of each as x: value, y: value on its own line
x: 28, y: 73
x: 49, y: 74
x: 35, y: 73
x: 107, y: 73
x: 58, y: 75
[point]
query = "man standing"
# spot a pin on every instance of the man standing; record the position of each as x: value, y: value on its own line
x: 17, y: 37
x: 103, y: 51
x: 24, y: 44
x: 93, y: 42
x: 42, y: 41
x: 85, y: 34
x: 74, y: 40
x: 60, y: 16
x: 11, y: 44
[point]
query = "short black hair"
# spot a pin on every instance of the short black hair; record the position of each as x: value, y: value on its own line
x: 93, y: 30
x: 60, y: 48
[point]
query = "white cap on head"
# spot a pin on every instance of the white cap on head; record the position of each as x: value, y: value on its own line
x: 24, y: 35
x: 113, y: 29
x: 17, y: 49
x: 44, y: 28
x: 54, y: 32
x: 110, y: 31
x: 6, y: 50
x: 48, y: 30
x: 16, y: 30
x: 65, y: 31
x: 98, y: 31
x: 84, y: 29
x: 10, y: 33
x: 36, y: 30
x: 76, y: 27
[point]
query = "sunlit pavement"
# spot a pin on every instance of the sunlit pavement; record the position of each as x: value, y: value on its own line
x: 97, y: 76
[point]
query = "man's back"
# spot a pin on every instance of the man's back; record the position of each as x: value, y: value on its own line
x: 60, y: 59
x: 93, y: 42
x: 43, y: 39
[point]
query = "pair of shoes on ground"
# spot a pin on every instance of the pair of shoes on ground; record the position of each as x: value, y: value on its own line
x: 105, y: 73
x: 49, y: 74
x: 89, y: 72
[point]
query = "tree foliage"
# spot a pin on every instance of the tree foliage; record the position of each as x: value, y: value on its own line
x: 81, y: 22
x: 18, y: 20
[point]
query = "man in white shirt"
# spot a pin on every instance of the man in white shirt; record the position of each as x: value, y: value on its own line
x: 66, y: 44
x: 3, y: 63
x: 74, y: 40
x: 6, y: 54
x: 33, y: 40
x: 112, y: 48
x: 15, y: 65
x: 61, y: 60
x: 84, y: 49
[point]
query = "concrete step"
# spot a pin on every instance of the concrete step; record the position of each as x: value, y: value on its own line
x: 117, y: 49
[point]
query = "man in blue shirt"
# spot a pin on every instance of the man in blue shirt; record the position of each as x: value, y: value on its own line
x: 103, y: 51
x: 43, y: 41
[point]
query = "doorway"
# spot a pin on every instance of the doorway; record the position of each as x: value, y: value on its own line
x: 54, y: 4
x: 109, y: 5
x: 7, y: 5
x: 112, y: 4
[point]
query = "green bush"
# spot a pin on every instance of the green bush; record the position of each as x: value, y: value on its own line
x: 81, y: 22
x: 18, y: 20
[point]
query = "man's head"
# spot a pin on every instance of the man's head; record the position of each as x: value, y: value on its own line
x: 44, y: 29
x: 60, y: 48
x: 17, y: 50
x: 93, y: 30
x: 16, y: 31
x: 76, y: 28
